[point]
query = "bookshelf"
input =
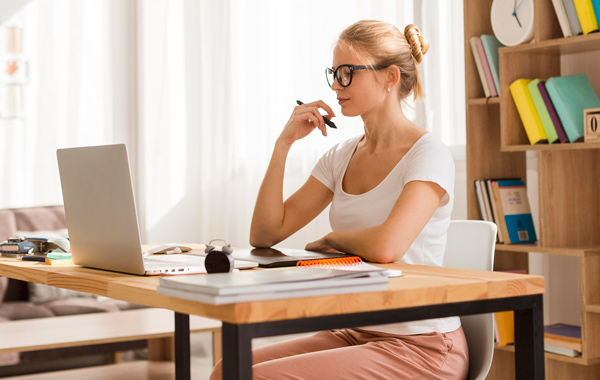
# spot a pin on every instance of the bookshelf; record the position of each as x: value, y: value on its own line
x: 568, y: 174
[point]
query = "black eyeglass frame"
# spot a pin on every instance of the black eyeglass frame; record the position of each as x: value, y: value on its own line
x: 352, y: 69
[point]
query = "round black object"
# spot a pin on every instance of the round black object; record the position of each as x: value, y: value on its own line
x: 218, y: 262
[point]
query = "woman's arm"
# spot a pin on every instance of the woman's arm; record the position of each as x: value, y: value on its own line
x: 389, y: 241
x: 273, y: 219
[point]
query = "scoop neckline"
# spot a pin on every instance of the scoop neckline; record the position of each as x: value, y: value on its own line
x: 341, y: 184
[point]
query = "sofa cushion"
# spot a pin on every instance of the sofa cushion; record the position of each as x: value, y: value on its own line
x: 39, y: 293
x: 73, y: 306
x: 9, y: 358
x: 8, y: 224
x: 23, y: 310
x: 40, y: 218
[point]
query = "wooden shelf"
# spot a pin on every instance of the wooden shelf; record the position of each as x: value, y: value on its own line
x: 549, y: 147
x: 558, y: 46
x: 592, y: 308
x: 483, y: 101
x: 549, y: 355
x: 579, y: 252
x: 568, y: 175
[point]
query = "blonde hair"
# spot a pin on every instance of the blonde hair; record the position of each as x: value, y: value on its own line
x: 384, y: 43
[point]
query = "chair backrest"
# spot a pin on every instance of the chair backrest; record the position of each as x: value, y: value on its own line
x: 471, y: 245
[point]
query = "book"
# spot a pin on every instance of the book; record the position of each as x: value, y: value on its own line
x: 505, y: 325
x: 558, y: 127
x: 563, y: 20
x: 563, y: 339
x: 480, y: 200
x: 491, y: 46
x: 473, y: 41
x: 571, y: 95
x: 514, y: 212
x: 572, y: 16
x: 526, y: 108
x: 261, y: 285
x: 596, y: 5
x: 351, y: 263
x: 486, y: 68
x: 488, y: 205
x: 50, y: 261
x: 501, y: 221
x: 561, y: 350
x: 563, y: 332
x: 542, y: 111
x: 586, y: 15
x: 494, y: 208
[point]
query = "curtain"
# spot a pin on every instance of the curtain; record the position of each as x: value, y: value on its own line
x: 220, y: 81
x: 199, y: 90
x: 79, y: 92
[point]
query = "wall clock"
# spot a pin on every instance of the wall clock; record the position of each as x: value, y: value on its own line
x: 512, y: 21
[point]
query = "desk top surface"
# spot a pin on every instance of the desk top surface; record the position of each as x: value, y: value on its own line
x: 418, y: 286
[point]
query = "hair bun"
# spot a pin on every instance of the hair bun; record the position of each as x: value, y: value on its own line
x: 418, y: 44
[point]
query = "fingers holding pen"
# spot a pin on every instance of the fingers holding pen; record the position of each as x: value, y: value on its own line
x: 321, y: 120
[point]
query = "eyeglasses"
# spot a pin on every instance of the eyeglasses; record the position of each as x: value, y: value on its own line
x: 343, y: 73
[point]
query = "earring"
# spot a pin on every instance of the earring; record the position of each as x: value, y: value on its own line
x: 388, y: 89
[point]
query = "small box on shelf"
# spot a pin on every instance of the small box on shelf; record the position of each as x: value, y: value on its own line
x: 591, y: 118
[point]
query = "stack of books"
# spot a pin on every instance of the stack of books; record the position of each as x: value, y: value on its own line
x: 262, y: 285
x: 563, y: 339
x: 485, y: 53
x: 505, y: 202
x: 552, y: 110
x: 577, y: 16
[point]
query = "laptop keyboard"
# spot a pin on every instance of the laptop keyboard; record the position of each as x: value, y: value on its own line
x: 150, y: 264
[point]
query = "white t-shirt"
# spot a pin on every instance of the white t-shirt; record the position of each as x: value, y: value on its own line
x: 427, y: 160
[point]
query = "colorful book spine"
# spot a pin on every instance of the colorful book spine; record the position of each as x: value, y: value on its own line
x: 505, y: 323
x: 491, y: 46
x: 479, y: 193
x: 494, y: 209
x: 563, y: 20
x: 486, y: 68
x: 596, y: 5
x: 571, y: 95
x: 540, y: 107
x: 478, y: 64
x: 558, y: 127
x: 502, y: 228
x: 517, y: 219
x: 586, y: 15
x: 529, y: 116
x: 572, y: 15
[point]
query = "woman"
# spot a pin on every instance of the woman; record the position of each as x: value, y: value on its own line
x: 391, y: 194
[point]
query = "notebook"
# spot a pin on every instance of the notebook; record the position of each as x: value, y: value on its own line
x: 102, y: 218
x: 226, y: 288
x: 281, y: 257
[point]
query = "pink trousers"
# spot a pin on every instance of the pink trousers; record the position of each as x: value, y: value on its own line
x: 362, y: 354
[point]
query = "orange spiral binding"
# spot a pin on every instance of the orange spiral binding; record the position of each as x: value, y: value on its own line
x: 330, y: 263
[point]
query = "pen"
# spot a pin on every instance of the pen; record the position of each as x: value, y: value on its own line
x: 326, y: 120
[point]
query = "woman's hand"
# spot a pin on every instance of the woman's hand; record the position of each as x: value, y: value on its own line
x: 321, y: 245
x: 304, y: 119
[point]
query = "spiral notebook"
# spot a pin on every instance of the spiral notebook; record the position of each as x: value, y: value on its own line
x: 352, y: 264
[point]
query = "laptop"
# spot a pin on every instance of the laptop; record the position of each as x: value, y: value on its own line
x: 282, y: 257
x: 102, y: 218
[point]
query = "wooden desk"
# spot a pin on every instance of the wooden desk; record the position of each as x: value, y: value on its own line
x: 422, y: 292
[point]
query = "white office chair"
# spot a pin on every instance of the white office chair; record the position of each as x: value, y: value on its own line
x: 471, y: 245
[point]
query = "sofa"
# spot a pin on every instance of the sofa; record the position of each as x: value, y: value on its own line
x: 21, y: 300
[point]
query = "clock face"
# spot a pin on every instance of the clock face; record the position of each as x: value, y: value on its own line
x: 512, y: 21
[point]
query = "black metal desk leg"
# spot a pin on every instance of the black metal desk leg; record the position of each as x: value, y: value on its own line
x: 182, y: 347
x: 237, y: 352
x: 529, y: 341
